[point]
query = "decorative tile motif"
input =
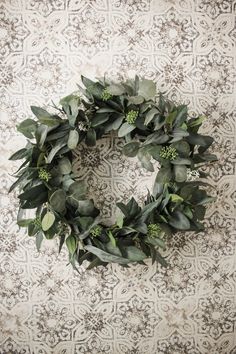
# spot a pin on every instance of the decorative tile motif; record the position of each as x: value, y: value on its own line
x: 88, y: 32
x: 45, y: 72
x: 188, y: 48
x: 53, y: 328
x: 45, y: 7
x: 215, y: 315
x: 94, y: 286
x: 177, y: 344
x: 14, y: 283
x: 13, y: 33
x: 214, y: 74
x: 135, y: 319
x: 214, y: 8
x: 173, y: 33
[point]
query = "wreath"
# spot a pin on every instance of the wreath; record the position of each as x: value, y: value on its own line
x: 154, y: 128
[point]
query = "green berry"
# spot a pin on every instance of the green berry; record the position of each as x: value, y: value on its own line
x: 44, y: 175
x: 168, y: 153
x: 106, y: 95
x: 96, y: 231
x: 131, y: 116
x: 154, y: 230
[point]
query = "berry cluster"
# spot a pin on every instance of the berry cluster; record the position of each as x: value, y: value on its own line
x: 106, y: 95
x: 154, y: 230
x: 168, y: 153
x: 44, y: 175
x: 96, y: 231
x: 131, y: 116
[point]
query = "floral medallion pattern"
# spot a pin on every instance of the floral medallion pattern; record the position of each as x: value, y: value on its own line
x: 173, y: 33
x: 188, y: 48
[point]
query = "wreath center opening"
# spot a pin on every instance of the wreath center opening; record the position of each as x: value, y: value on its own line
x: 110, y: 176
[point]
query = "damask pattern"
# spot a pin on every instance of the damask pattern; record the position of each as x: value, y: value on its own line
x: 188, y: 48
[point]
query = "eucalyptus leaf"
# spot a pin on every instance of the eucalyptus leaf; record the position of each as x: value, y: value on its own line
x: 73, y: 139
x: 27, y: 128
x: 71, y: 244
x: 131, y: 149
x: 180, y: 172
x: 179, y: 221
x: 116, y: 89
x: 48, y: 221
x: 64, y: 166
x: 58, y: 200
x: 147, y: 89
x: 91, y: 137
x: 125, y: 129
x: 150, y: 115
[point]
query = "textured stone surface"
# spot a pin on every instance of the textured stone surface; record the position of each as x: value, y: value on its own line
x: 188, y: 48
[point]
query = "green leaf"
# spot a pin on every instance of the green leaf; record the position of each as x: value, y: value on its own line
x: 55, y: 149
x: 150, y: 116
x: 116, y: 89
x: 181, y: 115
x: 77, y: 192
x: 181, y: 161
x: 44, y: 117
x: 171, y: 118
x: 180, y: 172
x: 178, y: 134
x: 131, y: 149
x: 71, y: 244
x: 85, y: 207
x: 20, y: 154
x: 156, y: 138
x: 73, y: 139
x: 91, y: 137
x: 196, y: 121
x: 71, y: 107
x: 32, y: 193
x: 114, y: 123
x: 175, y: 198
x: 106, y: 110
x: 27, y: 128
x: 202, y: 140
x: 179, y: 221
x: 164, y: 175
x: 48, y: 221
x: 136, y: 99
x: 120, y: 221
x: 99, y: 119
x: 24, y: 222
x: 144, y: 158
x: 78, y: 188
x: 105, y: 256
x: 41, y: 135
x: 182, y: 148
x: 125, y: 129
x: 147, y: 89
x: 58, y: 200
x: 38, y: 239
x: 161, y: 259
x: 147, y: 209
x: 159, y: 121
x: 134, y: 254
x: 33, y: 229
x: 112, y: 238
x: 155, y: 241
x: 64, y: 166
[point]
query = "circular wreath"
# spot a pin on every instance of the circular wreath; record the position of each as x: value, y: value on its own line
x: 154, y: 128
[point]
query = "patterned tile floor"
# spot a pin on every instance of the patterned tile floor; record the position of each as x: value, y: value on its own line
x: 189, y: 48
